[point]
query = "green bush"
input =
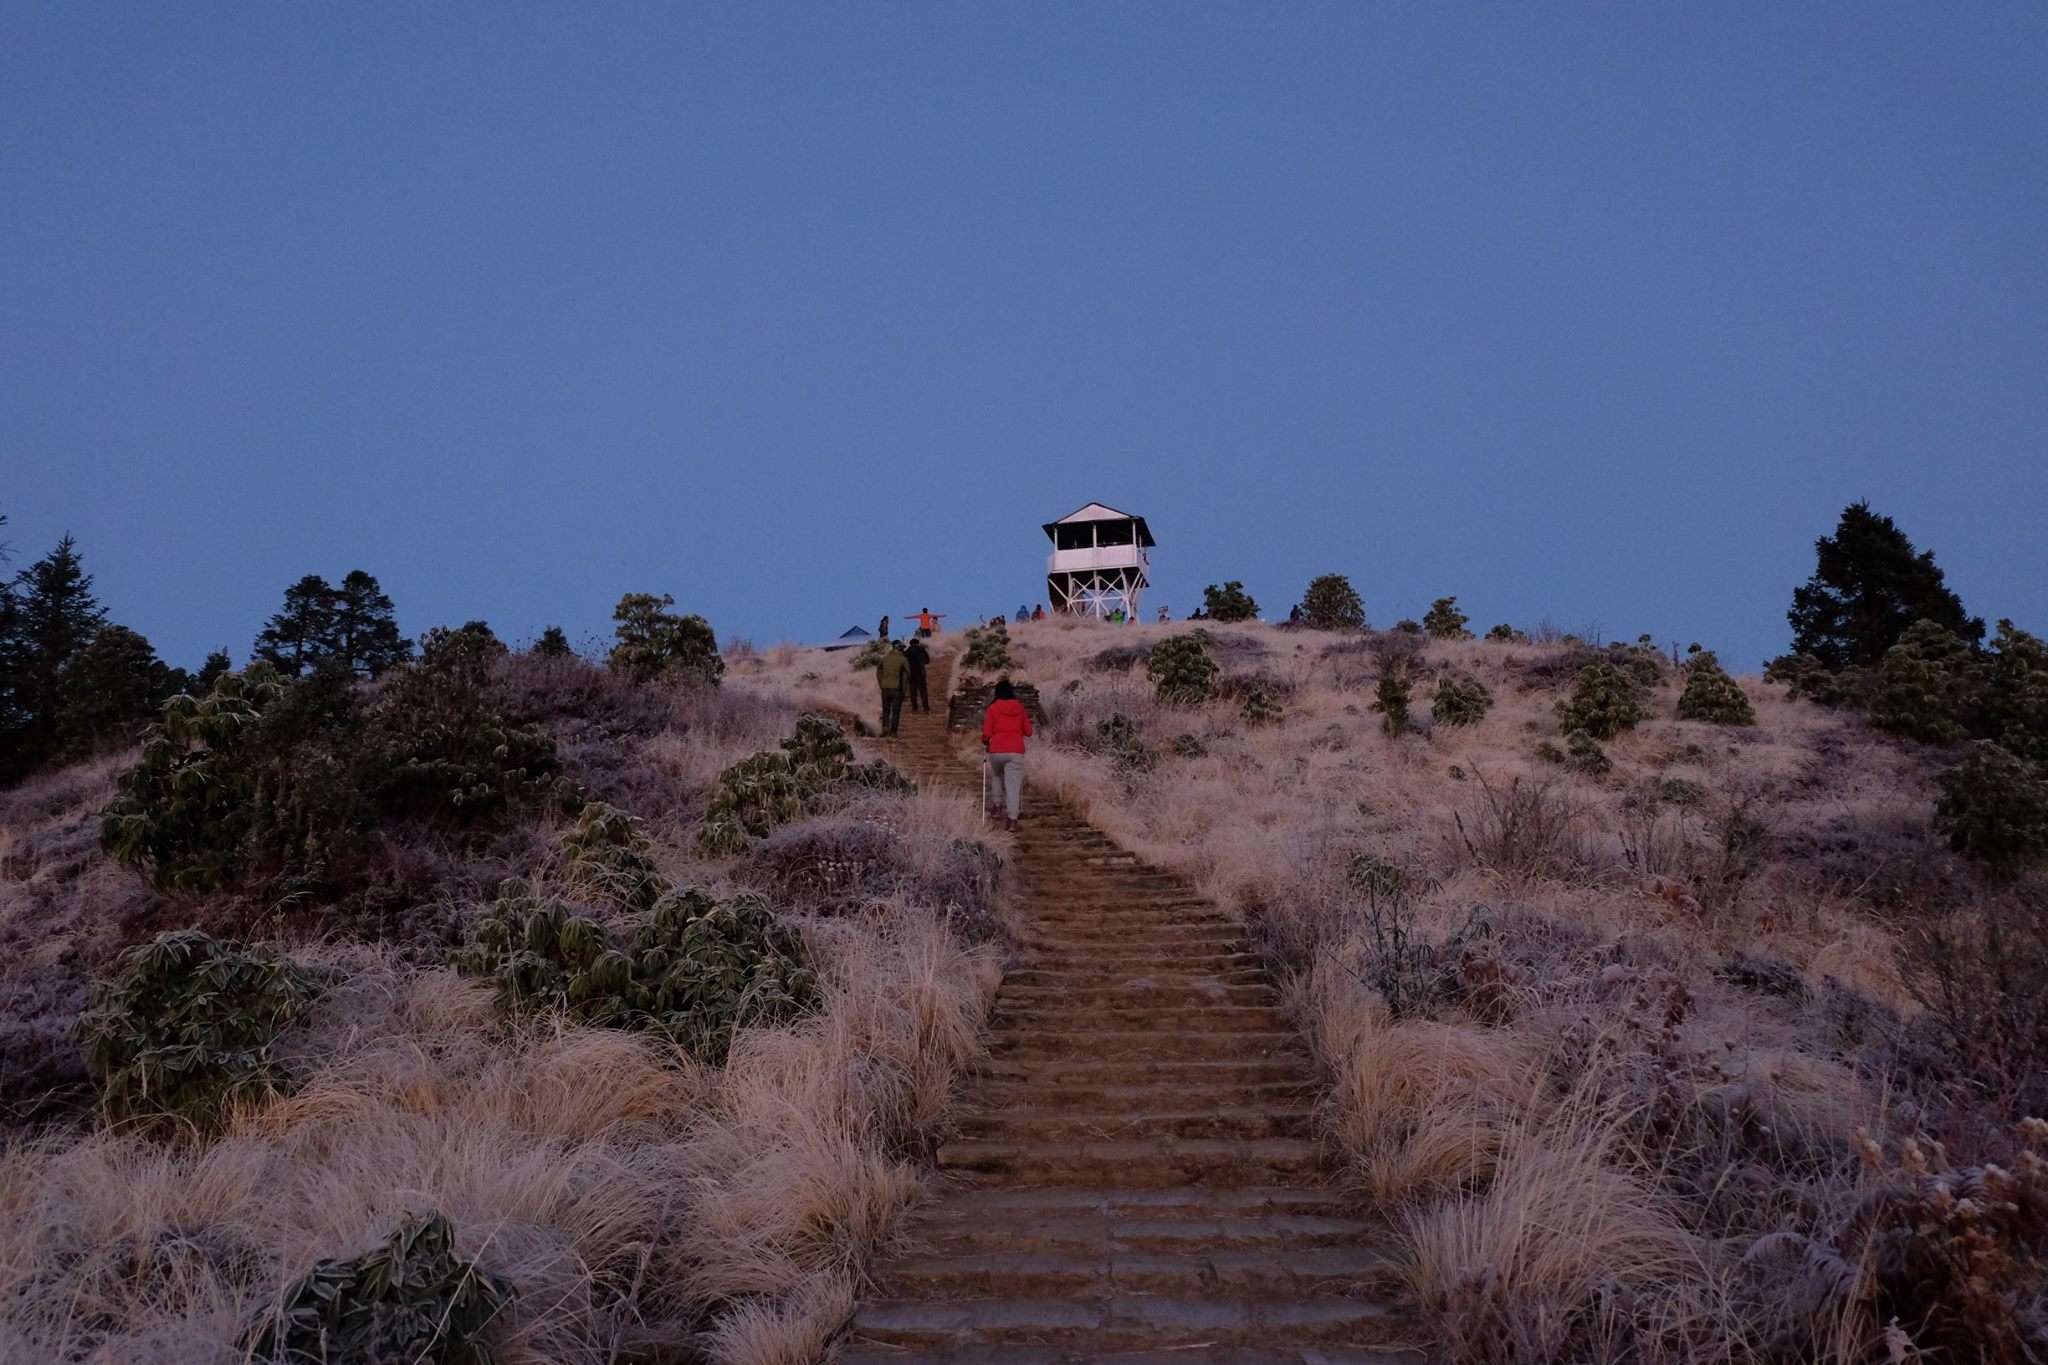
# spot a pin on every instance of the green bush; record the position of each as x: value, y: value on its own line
x: 692, y: 969
x: 818, y: 751
x: 609, y: 856
x: 1408, y: 625
x: 1189, y: 746
x: 1507, y: 635
x: 1444, y: 621
x: 184, y: 1027
x: 989, y: 647
x: 553, y: 644
x: 1331, y: 603
x: 1993, y: 807
x: 440, y: 743
x: 1604, y: 702
x: 1928, y: 686
x: 1376, y: 876
x: 1181, y: 670
x: 1583, y: 754
x: 411, y: 1299
x: 1805, y: 676
x: 2016, y: 693
x: 1260, y: 704
x: 1390, y: 699
x: 1117, y: 737
x: 655, y: 643
x: 753, y: 796
x: 1229, y: 602
x: 1712, y: 696
x: 1460, y: 701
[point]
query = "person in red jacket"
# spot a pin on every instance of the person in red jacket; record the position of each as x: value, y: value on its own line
x: 1004, y: 728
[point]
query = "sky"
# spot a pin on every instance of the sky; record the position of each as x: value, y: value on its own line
x: 806, y: 313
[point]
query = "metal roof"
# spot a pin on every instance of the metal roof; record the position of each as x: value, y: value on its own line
x: 1098, y: 511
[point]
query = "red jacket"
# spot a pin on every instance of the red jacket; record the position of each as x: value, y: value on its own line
x: 1004, y: 726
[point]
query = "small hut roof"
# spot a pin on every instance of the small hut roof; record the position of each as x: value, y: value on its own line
x: 1097, y: 511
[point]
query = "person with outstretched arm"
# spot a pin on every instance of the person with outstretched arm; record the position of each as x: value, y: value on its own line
x: 1004, y: 728
x: 891, y: 673
x: 928, y: 621
x: 920, y: 659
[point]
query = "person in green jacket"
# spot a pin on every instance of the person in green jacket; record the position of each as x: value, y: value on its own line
x: 892, y: 673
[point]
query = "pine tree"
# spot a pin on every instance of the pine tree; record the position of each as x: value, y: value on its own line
x: 364, y: 631
x: 553, y: 644
x: 1331, y: 603
x: 110, y: 690
x: 217, y: 664
x: 53, y: 615
x: 1444, y: 621
x: 1229, y: 602
x: 301, y: 636
x: 1868, y: 587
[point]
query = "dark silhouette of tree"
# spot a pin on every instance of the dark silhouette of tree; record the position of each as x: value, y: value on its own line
x: 109, y: 691
x: 365, y: 632
x: 217, y: 666
x: 553, y: 644
x: 655, y: 643
x: 1228, y: 603
x: 53, y: 614
x: 301, y: 636
x: 1331, y: 603
x: 1868, y: 587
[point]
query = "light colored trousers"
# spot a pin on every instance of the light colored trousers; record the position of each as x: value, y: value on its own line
x: 1007, y: 772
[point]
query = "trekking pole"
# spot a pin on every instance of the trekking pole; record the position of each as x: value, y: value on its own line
x: 984, y: 789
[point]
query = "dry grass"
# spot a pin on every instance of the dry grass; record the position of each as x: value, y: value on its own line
x: 636, y: 1199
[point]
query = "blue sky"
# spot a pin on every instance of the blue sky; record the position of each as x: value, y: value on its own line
x: 805, y: 313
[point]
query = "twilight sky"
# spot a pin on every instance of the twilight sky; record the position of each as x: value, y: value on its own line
x: 804, y: 313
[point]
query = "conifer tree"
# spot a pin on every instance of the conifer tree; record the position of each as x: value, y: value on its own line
x: 1331, y: 603
x: 655, y: 643
x: 53, y: 615
x: 301, y: 636
x: 109, y: 691
x: 1444, y: 621
x: 1229, y: 602
x: 365, y: 632
x: 553, y: 644
x: 217, y: 664
x: 1868, y: 587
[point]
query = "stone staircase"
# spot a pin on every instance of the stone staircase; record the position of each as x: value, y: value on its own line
x: 1134, y: 1177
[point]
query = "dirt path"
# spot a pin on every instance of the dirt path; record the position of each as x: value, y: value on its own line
x: 1134, y: 1178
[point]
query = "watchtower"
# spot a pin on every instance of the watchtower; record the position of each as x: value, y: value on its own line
x: 1099, y: 562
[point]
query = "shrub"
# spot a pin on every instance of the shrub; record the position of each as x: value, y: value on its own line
x: 1993, y: 807
x: 1331, y: 603
x: 1189, y: 746
x: 1525, y: 829
x: 1229, y: 602
x: 818, y: 751
x: 1260, y: 704
x: 1982, y: 975
x: 553, y: 644
x: 1712, y: 696
x: 654, y: 643
x: 1444, y: 621
x: 1181, y: 670
x: 1604, y: 702
x: 608, y: 855
x: 2016, y: 693
x: 1408, y: 625
x: 411, y: 1299
x: 1390, y: 700
x: 870, y: 654
x: 1117, y: 737
x: 1928, y: 686
x: 1373, y: 875
x: 1507, y: 635
x: 1460, y: 701
x: 442, y: 745
x: 692, y: 969
x: 185, y: 1025
x: 989, y: 647
x: 753, y: 796
x: 1583, y: 754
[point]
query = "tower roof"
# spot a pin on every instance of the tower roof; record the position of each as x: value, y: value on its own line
x: 1097, y: 511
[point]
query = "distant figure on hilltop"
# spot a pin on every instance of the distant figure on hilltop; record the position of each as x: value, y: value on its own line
x: 1038, y: 612
x: 882, y: 631
x: 928, y: 622
x: 1023, y: 613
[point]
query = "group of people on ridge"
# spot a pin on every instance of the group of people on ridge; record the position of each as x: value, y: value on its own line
x: 1005, y: 724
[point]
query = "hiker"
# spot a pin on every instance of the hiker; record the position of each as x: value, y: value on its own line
x: 1004, y: 728
x: 891, y: 673
x: 1164, y: 616
x: 920, y: 694
x: 882, y: 631
x: 1023, y: 615
x: 1038, y: 612
x: 928, y: 622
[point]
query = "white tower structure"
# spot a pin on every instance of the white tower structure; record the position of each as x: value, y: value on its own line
x: 1099, y: 562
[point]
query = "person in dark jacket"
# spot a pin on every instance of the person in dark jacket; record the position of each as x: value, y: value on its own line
x: 919, y: 659
x: 1004, y: 728
x: 891, y: 673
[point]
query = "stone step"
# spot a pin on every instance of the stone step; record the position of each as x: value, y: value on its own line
x: 1050, y: 1125
x: 984, y: 1354
x: 1032, y: 1096
x: 1128, y: 993
x: 1129, y: 938
x: 1141, y: 964
x: 1192, y: 1161
x: 1195, y: 1229
x: 1141, y: 1017
x: 1135, y: 1321
x: 1088, y: 978
x: 1274, y: 1270
x: 1104, y: 1045
x: 1291, y: 1066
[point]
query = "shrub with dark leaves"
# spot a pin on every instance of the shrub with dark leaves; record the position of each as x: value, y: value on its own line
x: 1460, y: 701
x: 1993, y: 807
x: 411, y: 1299
x: 1259, y: 703
x: 1604, y: 702
x: 1391, y: 696
x: 184, y: 1027
x: 1711, y: 695
x: 988, y: 647
x: 1181, y: 670
x: 1229, y: 602
x: 1444, y: 621
x: 1928, y: 686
